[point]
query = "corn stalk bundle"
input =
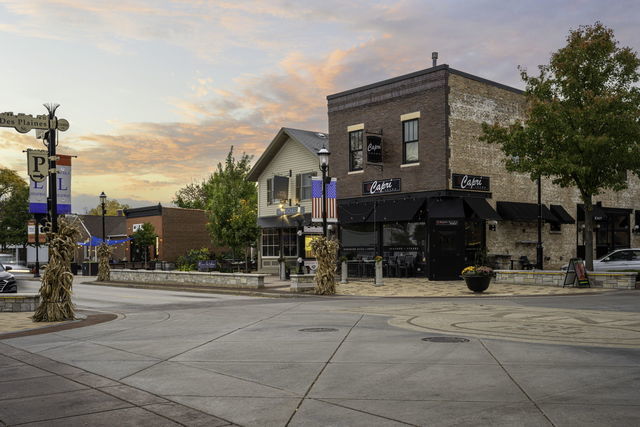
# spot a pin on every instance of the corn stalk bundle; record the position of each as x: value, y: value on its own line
x: 104, y: 253
x: 55, y: 289
x: 326, y: 252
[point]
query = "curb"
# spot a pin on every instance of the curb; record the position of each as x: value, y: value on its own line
x: 87, y: 320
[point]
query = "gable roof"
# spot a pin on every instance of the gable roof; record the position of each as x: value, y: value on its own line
x: 312, y: 141
x: 113, y: 225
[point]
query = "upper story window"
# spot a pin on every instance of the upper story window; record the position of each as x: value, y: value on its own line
x: 303, y: 185
x: 355, y: 150
x: 269, y: 191
x: 410, y: 141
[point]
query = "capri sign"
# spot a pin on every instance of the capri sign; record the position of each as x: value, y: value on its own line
x: 23, y: 123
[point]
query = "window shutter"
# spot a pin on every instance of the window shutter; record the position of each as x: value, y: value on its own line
x: 298, y: 186
x: 269, y: 191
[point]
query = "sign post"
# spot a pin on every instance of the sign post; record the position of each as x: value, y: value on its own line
x: 576, y: 272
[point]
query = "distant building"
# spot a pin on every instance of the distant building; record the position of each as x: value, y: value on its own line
x: 115, y: 229
x: 283, y: 174
x: 178, y: 230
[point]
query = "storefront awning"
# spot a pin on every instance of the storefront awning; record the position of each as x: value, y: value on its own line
x: 481, y: 208
x: 283, y: 221
x: 562, y: 215
x: 445, y: 208
x: 516, y: 211
x: 355, y: 212
x: 396, y: 210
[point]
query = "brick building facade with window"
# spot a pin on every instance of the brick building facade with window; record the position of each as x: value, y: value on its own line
x: 283, y: 175
x: 416, y: 185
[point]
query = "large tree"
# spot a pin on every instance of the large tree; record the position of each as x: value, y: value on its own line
x: 14, y: 208
x: 112, y: 206
x: 582, y: 126
x: 232, y: 204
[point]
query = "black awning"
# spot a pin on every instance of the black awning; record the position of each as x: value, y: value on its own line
x: 355, y: 212
x: 396, y: 210
x: 481, y: 208
x: 516, y: 211
x: 445, y: 208
x: 283, y: 221
x: 562, y: 215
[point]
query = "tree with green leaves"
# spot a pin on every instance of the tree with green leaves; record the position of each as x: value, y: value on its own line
x: 582, y: 126
x: 144, y: 237
x: 112, y: 206
x: 232, y: 203
x: 192, y: 196
x: 14, y: 208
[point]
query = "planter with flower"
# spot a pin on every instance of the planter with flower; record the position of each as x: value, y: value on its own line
x: 477, y: 278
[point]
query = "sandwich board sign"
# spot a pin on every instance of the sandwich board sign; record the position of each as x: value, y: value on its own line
x: 576, y: 274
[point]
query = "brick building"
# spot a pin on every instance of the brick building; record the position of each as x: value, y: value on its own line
x: 178, y: 230
x: 115, y: 229
x: 416, y: 185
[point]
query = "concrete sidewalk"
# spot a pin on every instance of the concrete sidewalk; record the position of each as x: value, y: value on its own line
x: 38, y: 391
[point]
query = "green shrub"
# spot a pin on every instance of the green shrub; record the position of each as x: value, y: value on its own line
x: 189, y: 261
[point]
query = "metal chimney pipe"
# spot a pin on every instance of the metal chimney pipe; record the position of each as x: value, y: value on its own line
x: 434, y: 57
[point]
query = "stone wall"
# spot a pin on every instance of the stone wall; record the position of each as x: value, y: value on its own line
x: 609, y: 280
x: 302, y: 282
x: 19, y: 302
x: 214, y: 279
x: 472, y: 102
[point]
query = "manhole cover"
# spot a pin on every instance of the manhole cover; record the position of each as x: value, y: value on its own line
x: 318, y: 330
x: 445, y: 339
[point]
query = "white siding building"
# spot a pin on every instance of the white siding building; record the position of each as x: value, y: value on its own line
x: 283, y: 173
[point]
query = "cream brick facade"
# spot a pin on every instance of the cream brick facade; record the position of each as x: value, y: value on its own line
x: 472, y: 102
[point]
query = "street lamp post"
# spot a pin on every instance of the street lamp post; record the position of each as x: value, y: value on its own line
x: 323, y: 154
x: 103, y: 198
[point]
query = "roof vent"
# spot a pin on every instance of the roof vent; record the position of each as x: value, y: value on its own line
x: 434, y: 58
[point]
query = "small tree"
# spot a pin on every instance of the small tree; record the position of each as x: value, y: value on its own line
x: 14, y: 208
x: 232, y: 204
x: 583, y: 120
x: 144, y: 237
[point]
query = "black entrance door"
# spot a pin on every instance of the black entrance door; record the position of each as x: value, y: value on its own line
x: 446, y: 249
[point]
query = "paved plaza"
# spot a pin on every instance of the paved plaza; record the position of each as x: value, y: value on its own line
x: 182, y: 358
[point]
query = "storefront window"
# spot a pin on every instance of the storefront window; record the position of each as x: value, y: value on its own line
x: 358, y: 235
x: 404, y: 234
x: 289, y: 246
x: 270, y: 242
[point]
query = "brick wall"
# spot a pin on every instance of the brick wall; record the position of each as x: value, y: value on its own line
x: 184, y: 229
x: 380, y: 108
x: 472, y: 102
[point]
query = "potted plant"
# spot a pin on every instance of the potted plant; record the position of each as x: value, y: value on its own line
x: 477, y: 278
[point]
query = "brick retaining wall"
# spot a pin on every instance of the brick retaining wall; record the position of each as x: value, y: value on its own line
x: 19, y: 302
x: 223, y: 280
x: 610, y: 280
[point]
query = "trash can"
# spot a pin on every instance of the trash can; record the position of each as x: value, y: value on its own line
x: 89, y: 268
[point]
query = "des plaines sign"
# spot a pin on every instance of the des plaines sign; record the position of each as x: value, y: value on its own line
x: 380, y: 186
x: 470, y: 182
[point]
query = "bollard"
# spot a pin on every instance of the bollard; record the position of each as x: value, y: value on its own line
x: 344, y: 273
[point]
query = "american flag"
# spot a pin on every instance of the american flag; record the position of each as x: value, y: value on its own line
x: 316, y: 200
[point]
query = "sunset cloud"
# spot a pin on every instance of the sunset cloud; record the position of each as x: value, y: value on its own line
x: 157, y: 91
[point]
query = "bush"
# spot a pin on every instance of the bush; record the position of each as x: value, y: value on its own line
x: 189, y: 262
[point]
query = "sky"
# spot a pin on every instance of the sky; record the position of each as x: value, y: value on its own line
x: 157, y: 91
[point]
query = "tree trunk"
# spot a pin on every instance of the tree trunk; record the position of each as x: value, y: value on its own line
x: 588, y: 231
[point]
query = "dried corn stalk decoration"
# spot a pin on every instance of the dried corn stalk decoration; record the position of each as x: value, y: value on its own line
x: 326, y: 252
x: 55, y: 290
x: 104, y: 253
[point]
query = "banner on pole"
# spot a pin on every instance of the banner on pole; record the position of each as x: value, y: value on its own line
x: 38, y: 190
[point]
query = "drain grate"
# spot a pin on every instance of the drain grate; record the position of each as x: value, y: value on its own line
x: 445, y: 339
x: 318, y: 330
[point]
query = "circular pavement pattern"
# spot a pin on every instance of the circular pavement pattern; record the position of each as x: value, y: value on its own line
x: 516, y: 323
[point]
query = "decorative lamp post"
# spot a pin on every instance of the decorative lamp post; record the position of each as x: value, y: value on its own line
x: 323, y: 155
x: 103, y: 198
x: 539, y: 248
